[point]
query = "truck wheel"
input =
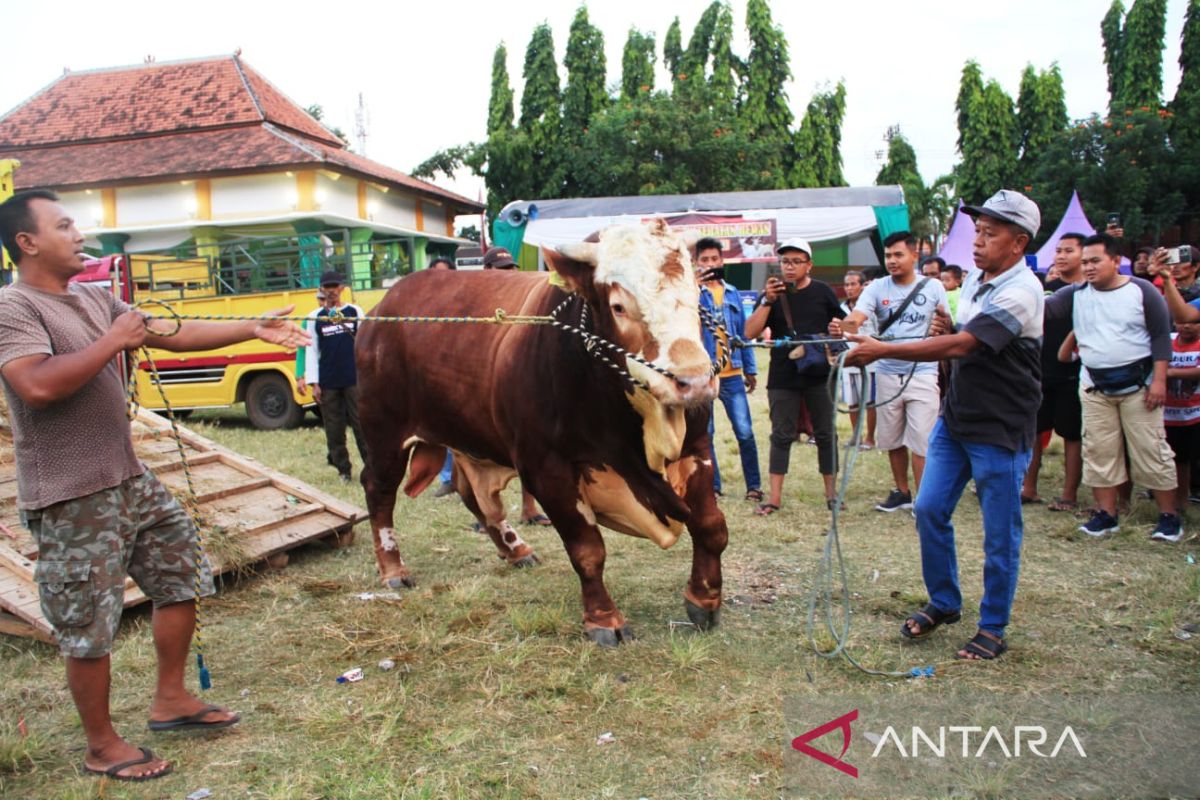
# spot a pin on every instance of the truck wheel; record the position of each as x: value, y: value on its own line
x: 269, y: 403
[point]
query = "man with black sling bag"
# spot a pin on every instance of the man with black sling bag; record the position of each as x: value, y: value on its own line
x: 901, y: 306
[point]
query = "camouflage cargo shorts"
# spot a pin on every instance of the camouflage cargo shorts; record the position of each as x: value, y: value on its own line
x: 87, y: 546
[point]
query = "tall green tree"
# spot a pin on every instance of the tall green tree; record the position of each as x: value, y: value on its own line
x: 693, y: 66
x: 673, y: 50
x: 662, y: 144
x: 727, y: 69
x: 990, y: 144
x: 901, y: 169
x: 500, y: 104
x: 817, y: 145
x: 970, y: 94
x: 1142, y: 55
x: 541, y: 115
x: 1184, y: 112
x: 765, y: 110
x: 637, y: 65
x: 1112, y: 34
x: 1041, y: 115
x: 585, y: 94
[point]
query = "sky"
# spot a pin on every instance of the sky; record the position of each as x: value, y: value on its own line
x: 424, y: 69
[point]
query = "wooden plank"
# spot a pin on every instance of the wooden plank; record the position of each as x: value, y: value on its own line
x: 16, y: 562
x: 15, y: 626
x: 235, y: 492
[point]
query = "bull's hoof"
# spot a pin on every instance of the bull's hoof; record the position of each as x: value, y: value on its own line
x: 405, y: 582
x: 610, y: 637
x: 530, y: 560
x: 702, y: 618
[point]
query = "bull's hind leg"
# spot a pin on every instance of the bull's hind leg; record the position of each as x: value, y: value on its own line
x: 381, y: 479
x: 710, y: 535
x: 479, y: 484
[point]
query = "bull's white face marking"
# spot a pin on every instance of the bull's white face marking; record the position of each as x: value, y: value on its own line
x: 387, y: 539
x: 654, y: 301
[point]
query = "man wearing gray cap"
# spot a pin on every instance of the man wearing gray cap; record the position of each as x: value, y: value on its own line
x: 988, y: 423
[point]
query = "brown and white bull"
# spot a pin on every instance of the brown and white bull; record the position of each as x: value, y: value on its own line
x: 592, y: 445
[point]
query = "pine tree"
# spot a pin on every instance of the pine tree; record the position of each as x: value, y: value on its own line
x: 673, y: 51
x: 500, y: 106
x: 970, y: 93
x: 637, y: 65
x: 817, y: 154
x: 1112, y: 34
x: 1142, y: 55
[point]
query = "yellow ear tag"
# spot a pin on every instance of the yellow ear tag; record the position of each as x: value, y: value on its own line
x: 557, y: 280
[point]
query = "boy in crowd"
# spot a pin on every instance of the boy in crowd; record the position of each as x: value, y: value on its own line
x: 1181, y: 414
x: 901, y: 306
x: 952, y: 278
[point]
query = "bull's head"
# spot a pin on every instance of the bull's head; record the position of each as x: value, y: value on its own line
x: 638, y: 279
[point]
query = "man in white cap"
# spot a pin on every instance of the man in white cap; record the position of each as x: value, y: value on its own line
x: 988, y: 423
x: 792, y: 305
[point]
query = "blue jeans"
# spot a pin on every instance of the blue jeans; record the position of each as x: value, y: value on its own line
x: 998, y: 473
x: 444, y: 475
x: 737, y: 407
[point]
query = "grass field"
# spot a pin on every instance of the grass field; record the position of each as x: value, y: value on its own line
x: 496, y: 694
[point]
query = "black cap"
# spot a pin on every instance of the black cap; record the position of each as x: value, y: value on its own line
x: 498, y: 258
x: 332, y: 278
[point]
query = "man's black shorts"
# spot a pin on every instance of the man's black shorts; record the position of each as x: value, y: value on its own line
x: 1060, y: 411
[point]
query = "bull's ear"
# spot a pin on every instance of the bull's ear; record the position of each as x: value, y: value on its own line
x: 574, y: 263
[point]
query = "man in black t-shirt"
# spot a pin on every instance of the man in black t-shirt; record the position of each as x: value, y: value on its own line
x: 1060, y: 410
x: 810, y: 305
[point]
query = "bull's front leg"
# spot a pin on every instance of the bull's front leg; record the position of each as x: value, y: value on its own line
x: 575, y: 522
x: 381, y: 479
x: 710, y: 535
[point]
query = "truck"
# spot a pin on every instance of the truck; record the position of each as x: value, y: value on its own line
x: 260, y: 375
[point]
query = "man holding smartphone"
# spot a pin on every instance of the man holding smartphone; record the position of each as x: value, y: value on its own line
x: 794, y: 304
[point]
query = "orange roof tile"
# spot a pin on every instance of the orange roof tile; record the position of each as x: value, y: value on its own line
x: 181, y: 119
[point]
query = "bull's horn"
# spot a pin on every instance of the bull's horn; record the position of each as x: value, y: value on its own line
x: 587, y: 252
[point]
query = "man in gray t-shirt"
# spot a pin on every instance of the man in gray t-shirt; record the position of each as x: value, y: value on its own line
x: 906, y: 391
x: 94, y: 510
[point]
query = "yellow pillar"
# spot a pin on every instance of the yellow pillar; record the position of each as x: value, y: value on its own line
x: 306, y: 190
x: 362, y: 200
x: 108, y: 202
x: 420, y: 215
x: 203, y: 198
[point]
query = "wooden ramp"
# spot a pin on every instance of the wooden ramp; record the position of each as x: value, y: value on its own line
x: 250, y: 513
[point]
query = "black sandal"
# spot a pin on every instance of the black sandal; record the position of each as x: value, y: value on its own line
x: 986, y: 646
x: 928, y: 618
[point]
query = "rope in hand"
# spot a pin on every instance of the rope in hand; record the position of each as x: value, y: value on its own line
x: 824, y: 596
